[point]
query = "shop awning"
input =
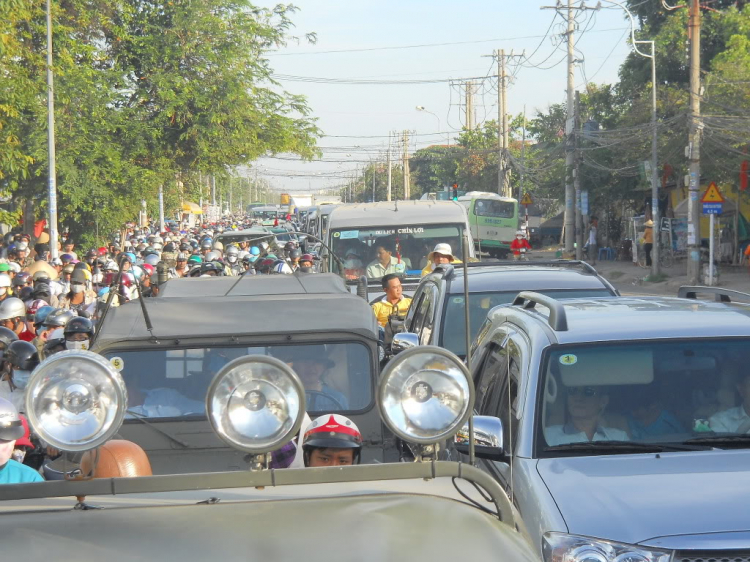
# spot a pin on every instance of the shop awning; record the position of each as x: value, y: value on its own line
x: 188, y: 207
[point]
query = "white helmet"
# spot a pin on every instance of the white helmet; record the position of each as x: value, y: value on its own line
x: 218, y: 246
x: 4, y: 280
x: 12, y: 308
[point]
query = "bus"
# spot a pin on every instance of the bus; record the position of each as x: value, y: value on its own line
x: 409, y: 229
x: 493, y: 221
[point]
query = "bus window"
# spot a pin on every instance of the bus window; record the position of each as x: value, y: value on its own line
x: 495, y: 208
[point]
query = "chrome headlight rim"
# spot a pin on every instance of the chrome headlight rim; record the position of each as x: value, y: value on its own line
x: 451, y: 429
x: 44, y: 374
x: 291, y: 377
x: 607, y: 550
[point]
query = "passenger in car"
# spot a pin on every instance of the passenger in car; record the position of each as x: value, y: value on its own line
x: 735, y: 420
x: 648, y: 417
x: 311, y: 365
x: 585, y: 406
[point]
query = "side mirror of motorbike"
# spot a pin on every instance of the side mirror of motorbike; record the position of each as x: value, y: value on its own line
x: 403, y: 341
x: 488, y: 439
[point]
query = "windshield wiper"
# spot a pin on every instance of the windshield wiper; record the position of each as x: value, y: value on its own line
x: 737, y: 439
x: 606, y: 446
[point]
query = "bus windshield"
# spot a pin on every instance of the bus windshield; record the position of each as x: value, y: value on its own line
x: 377, y: 251
x: 495, y: 208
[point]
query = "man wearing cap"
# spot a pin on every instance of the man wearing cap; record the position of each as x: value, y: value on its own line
x: 442, y: 254
x: 394, y: 301
x: 11, y: 430
x: 311, y: 365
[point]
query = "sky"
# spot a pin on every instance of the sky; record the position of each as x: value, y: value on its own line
x: 393, y: 40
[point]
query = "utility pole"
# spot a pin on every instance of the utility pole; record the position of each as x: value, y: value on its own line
x: 213, y: 190
x: 523, y: 162
x: 470, y: 105
x: 407, y: 175
x: 577, y: 179
x: 694, y: 224
x: 502, y: 125
x: 52, y: 171
x: 390, y: 171
x: 570, y: 219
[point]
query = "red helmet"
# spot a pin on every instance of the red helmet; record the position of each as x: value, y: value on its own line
x: 34, y: 306
x: 333, y: 431
x: 149, y: 269
x: 102, y: 251
x: 307, y: 257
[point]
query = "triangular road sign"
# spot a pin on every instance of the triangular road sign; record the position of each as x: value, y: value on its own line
x: 712, y: 195
x: 527, y: 200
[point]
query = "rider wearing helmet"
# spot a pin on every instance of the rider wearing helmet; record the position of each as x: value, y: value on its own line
x: 332, y: 440
x: 232, y: 258
x: 11, y: 430
x: 22, y: 358
x: 78, y: 333
x: 306, y: 263
x: 81, y: 298
x: 5, y: 286
x: 520, y: 245
x: 294, y: 258
x: 13, y: 317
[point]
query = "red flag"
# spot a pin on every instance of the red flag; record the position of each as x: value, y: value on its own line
x: 744, y: 169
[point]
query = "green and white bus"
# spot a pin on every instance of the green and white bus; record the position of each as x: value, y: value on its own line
x: 493, y: 221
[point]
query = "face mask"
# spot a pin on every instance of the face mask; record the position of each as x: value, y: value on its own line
x: 232, y: 259
x: 519, y: 237
x: 18, y: 455
x: 21, y: 378
x: 3, y: 291
x: 77, y: 345
x: 77, y: 288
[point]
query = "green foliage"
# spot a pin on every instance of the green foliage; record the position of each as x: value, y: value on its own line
x: 146, y: 92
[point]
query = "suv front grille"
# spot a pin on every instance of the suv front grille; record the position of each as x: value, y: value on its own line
x: 712, y: 556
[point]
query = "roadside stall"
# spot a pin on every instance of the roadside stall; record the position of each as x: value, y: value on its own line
x: 189, y: 214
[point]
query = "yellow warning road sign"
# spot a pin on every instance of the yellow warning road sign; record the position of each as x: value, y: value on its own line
x: 712, y: 195
x: 527, y: 200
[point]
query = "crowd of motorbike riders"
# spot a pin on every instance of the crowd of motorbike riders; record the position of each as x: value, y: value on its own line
x: 48, y: 305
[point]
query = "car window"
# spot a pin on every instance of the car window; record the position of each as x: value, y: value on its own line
x: 427, y: 313
x: 644, y: 391
x: 497, y: 387
x: 453, y: 329
x: 173, y: 382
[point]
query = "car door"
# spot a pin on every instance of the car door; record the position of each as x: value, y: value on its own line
x: 498, y: 392
x: 425, y: 315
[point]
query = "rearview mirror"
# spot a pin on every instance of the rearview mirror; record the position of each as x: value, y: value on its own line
x: 403, y: 341
x: 488, y: 439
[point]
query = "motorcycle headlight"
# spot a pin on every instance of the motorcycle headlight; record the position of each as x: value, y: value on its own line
x: 561, y: 547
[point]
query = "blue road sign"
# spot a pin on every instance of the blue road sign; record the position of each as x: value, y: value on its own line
x: 712, y: 208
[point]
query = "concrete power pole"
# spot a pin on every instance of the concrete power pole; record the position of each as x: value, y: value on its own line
x: 390, y: 171
x: 577, y: 180
x: 502, y: 125
x: 407, y: 175
x: 694, y: 224
x: 570, y: 219
x: 470, y: 105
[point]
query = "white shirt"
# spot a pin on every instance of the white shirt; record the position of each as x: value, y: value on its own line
x: 376, y: 270
x: 729, y: 421
x: 564, y: 434
x: 592, y: 236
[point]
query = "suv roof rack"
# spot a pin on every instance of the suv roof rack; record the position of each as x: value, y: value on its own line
x: 720, y: 295
x: 585, y: 266
x: 557, y: 319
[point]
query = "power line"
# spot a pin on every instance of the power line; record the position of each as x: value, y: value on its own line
x: 349, y: 81
x: 419, y: 46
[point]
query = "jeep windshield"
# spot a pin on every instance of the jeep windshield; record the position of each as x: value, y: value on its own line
x: 660, y: 393
x: 168, y: 383
x: 377, y: 251
x: 453, y: 331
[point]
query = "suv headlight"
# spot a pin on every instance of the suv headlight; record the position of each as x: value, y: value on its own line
x: 561, y: 547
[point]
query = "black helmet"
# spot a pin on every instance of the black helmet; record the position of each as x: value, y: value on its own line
x: 79, y: 325
x: 185, y: 247
x: 22, y: 355
x: 7, y: 337
x: 169, y: 247
x: 296, y: 253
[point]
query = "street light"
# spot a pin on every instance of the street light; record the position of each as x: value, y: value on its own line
x: 654, y: 149
x: 422, y: 108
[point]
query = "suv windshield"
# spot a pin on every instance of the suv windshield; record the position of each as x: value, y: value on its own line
x: 452, y: 330
x: 165, y: 383
x: 377, y: 251
x: 645, y: 392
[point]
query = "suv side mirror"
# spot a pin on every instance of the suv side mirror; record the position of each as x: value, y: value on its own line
x: 488, y: 439
x: 403, y: 341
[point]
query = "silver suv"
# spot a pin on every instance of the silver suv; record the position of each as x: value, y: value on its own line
x: 619, y: 427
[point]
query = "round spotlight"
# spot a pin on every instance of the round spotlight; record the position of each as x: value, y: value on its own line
x: 256, y: 403
x: 76, y: 400
x: 425, y: 395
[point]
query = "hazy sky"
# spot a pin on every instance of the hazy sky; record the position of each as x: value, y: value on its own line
x: 458, y: 33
